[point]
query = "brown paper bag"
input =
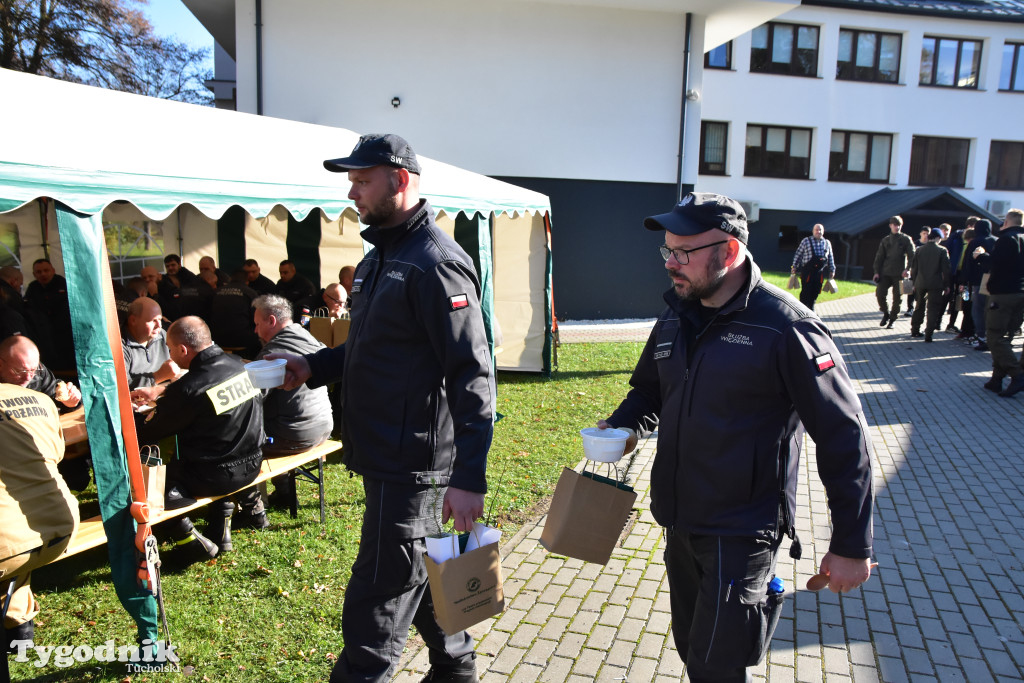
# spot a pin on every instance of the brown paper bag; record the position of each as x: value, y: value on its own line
x: 321, y: 330
x: 908, y: 286
x: 586, y: 516
x: 983, y: 288
x: 339, y: 331
x: 830, y: 286
x: 155, y: 478
x: 466, y: 589
x: 794, y: 282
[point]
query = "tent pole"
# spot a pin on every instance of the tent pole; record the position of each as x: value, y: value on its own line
x: 259, y: 57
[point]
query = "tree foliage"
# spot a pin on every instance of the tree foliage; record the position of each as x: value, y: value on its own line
x: 106, y: 43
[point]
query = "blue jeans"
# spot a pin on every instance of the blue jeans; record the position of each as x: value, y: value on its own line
x: 979, y: 302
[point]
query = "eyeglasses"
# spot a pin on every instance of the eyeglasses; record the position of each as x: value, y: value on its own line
x: 23, y: 373
x: 682, y: 256
x: 337, y: 301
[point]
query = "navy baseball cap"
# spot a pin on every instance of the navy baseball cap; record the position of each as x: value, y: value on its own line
x: 702, y: 211
x: 935, y: 234
x: 377, y: 150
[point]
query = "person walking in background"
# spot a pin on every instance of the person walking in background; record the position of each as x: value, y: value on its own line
x: 982, y: 243
x: 417, y: 399
x: 732, y: 369
x: 930, y: 272
x: 816, y: 264
x: 892, y: 264
x: 1006, y: 304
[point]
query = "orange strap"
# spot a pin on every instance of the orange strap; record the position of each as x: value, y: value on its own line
x: 139, y: 508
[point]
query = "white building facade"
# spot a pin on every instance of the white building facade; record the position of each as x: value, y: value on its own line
x: 607, y: 107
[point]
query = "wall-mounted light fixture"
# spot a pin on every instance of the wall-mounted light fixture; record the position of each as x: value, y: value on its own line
x: 395, y: 101
x: 692, y: 95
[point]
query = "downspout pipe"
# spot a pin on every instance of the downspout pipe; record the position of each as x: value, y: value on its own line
x: 682, y: 107
x: 259, y: 57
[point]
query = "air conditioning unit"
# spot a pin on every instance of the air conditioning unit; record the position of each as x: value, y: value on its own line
x: 997, y: 207
x: 752, y: 208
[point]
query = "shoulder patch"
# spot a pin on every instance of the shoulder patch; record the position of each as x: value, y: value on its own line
x: 458, y: 301
x: 824, y: 362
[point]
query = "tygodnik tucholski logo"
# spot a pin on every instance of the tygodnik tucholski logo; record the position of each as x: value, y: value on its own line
x: 733, y: 338
x: 150, y: 656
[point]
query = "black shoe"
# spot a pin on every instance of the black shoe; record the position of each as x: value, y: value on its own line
x: 456, y: 676
x: 885, y: 319
x: 246, y: 520
x: 952, y: 329
x: 928, y: 337
x: 218, y: 526
x: 982, y: 346
x: 910, y: 312
x: 916, y: 334
x: 25, y: 631
x: 1016, y: 384
x: 891, y: 323
x: 175, y: 499
x: 994, y: 384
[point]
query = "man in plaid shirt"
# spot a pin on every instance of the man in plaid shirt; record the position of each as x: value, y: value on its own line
x: 814, y: 261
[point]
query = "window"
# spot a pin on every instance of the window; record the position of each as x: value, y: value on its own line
x: 719, y: 57
x: 10, y: 245
x: 859, y: 157
x: 939, y: 161
x: 785, y: 49
x: 1012, y: 75
x: 868, y: 56
x: 1005, y: 166
x: 778, y: 152
x: 950, y: 63
x: 132, y: 245
x: 713, y: 142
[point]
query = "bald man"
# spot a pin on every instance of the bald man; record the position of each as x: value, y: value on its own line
x: 217, y: 416
x: 19, y: 364
x: 144, y: 344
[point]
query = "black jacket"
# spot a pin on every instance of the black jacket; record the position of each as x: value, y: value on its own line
x: 1006, y: 267
x: 215, y: 411
x: 730, y: 397
x: 417, y: 390
x: 976, y: 267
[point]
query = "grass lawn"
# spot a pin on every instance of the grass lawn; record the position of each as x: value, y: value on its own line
x: 846, y: 287
x: 271, y: 611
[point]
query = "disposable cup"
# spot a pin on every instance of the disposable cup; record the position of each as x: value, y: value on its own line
x: 266, y: 374
x: 604, y: 445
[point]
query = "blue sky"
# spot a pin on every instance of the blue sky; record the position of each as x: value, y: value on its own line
x: 172, y: 18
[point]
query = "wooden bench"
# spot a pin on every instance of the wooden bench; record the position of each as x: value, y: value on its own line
x: 90, y: 532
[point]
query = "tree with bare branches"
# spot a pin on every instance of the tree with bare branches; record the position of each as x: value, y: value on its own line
x: 106, y: 43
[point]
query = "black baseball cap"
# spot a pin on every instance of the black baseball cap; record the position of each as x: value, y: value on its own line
x: 702, y: 211
x: 377, y: 150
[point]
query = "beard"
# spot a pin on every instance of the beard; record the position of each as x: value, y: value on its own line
x: 382, y: 212
x: 714, y: 276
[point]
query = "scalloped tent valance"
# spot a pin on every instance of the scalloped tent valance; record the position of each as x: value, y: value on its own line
x: 88, y: 147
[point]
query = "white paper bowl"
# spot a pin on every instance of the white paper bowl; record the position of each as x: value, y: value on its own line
x: 604, y: 445
x: 266, y: 374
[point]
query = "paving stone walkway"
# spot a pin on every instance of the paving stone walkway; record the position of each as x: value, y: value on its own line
x: 946, y: 602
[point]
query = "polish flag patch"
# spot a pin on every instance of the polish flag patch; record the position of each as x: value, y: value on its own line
x: 824, y: 362
x: 458, y: 301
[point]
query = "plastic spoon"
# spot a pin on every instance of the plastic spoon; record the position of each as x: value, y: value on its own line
x: 819, y: 581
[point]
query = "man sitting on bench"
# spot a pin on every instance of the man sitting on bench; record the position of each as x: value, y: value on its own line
x: 295, y: 420
x: 38, y: 514
x: 217, y: 416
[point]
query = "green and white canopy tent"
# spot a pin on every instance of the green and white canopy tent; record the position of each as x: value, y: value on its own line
x: 231, y: 186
